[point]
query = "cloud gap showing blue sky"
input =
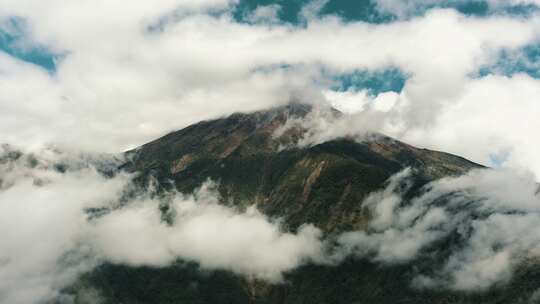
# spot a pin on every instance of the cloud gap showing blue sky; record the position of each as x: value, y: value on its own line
x: 13, y: 41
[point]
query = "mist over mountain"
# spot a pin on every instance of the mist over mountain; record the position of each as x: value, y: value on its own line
x: 271, y: 158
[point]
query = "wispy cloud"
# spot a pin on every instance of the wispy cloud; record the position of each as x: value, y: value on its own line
x: 474, y: 229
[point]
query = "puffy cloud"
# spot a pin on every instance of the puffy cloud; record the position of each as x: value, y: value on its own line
x: 350, y: 102
x: 70, y: 214
x: 63, y: 214
x: 214, y: 236
x: 494, y: 114
x: 492, y: 119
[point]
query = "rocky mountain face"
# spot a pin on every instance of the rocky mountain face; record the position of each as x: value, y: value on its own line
x: 255, y: 161
x: 321, y: 184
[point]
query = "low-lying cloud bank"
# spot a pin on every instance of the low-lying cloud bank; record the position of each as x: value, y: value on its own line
x: 54, y: 232
x: 473, y: 230
x: 63, y: 215
x: 214, y: 236
x: 42, y: 219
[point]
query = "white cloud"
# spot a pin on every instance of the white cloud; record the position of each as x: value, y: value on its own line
x: 351, y: 101
x: 493, y: 114
x: 41, y: 216
x: 265, y: 14
x: 493, y: 215
x: 120, y: 85
x: 323, y: 124
x: 348, y: 101
x: 49, y: 238
x: 210, y: 234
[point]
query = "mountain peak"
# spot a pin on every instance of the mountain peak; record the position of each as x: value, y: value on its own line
x: 243, y: 154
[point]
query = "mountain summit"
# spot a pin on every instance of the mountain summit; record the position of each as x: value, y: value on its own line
x: 255, y: 159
